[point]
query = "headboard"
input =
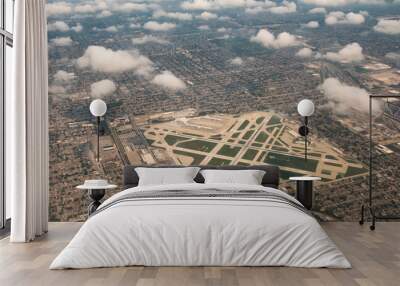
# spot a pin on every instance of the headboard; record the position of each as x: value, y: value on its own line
x: 270, y: 179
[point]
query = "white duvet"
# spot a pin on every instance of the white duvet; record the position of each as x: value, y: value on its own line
x: 200, y: 231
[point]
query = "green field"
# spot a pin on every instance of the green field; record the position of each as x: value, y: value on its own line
x: 198, y: 145
x: 291, y: 161
x: 197, y: 159
x: 261, y: 137
x: 244, y: 125
x: 229, y: 151
x: 218, y: 162
x: 172, y: 139
x: 250, y: 154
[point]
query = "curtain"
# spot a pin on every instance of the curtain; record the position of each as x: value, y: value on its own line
x: 27, y: 124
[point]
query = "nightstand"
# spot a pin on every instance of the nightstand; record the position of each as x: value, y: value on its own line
x: 304, y: 192
x: 96, y: 191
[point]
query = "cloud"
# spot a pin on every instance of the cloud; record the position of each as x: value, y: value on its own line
x: 155, y: 26
x: 344, y: 98
x: 104, y: 14
x: 101, y: 59
x: 58, y: 8
x: 350, y: 53
x: 169, y: 81
x: 102, y: 88
x: 149, y: 39
x: 62, y: 41
x: 173, y: 15
x: 63, y: 76
x: 342, y: 2
x: 78, y: 28
x: 130, y: 7
x: 85, y: 8
x: 203, y: 27
x: 268, y: 40
x: 338, y: 17
x: 251, y: 6
x: 236, y: 61
x: 58, y: 26
x: 56, y: 89
x: 287, y: 7
x: 312, y: 25
x: 391, y: 27
x: 135, y: 25
x: 317, y: 10
x: 207, y: 16
x: 304, y: 53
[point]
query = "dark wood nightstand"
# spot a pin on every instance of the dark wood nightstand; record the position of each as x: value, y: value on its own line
x: 304, y: 192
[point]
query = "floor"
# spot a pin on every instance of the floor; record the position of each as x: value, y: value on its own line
x: 375, y: 257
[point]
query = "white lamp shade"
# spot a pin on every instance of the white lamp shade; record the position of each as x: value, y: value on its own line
x: 305, y: 107
x: 98, y: 107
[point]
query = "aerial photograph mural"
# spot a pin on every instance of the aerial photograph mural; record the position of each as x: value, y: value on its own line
x: 217, y: 82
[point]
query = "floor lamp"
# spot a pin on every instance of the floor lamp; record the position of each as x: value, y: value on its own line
x: 370, y: 206
x: 306, y: 109
x: 98, y: 108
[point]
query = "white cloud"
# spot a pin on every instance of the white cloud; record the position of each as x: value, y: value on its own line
x: 149, y: 39
x: 338, y: 17
x: 78, y: 28
x: 85, y: 8
x: 130, y: 7
x: 236, y: 61
x: 63, y: 76
x: 251, y: 6
x: 268, y: 40
x: 135, y: 26
x: 102, y: 88
x: 391, y: 27
x: 312, y: 25
x: 344, y: 98
x: 58, y: 8
x: 155, y: 26
x: 169, y: 81
x: 203, y: 27
x: 56, y: 89
x: 207, y: 16
x: 287, y: 7
x: 104, y: 14
x: 173, y: 15
x: 111, y: 29
x: 62, y: 41
x: 342, y: 2
x: 198, y: 5
x: 304, y: 53
x: 58, y: 26
x: 350, y: 53
x: 318, y: 10
x: 106, y: 60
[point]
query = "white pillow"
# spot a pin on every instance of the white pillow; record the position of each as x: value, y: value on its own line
x: 248, y: 177
x: 166, y: 176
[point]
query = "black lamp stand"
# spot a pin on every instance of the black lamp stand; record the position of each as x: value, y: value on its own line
x: 369, y: 207
x: 98, y: 138
x: 304, y: 131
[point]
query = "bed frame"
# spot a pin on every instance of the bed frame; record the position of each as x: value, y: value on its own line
x: 270, y: 179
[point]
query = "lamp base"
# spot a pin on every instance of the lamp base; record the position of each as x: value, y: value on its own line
x: 304, y: 130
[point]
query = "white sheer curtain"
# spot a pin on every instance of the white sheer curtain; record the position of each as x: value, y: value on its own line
x: 27, y: 124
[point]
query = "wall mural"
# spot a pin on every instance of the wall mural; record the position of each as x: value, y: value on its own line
x: 217, y: 82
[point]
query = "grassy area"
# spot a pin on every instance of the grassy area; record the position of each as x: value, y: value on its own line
x: 260, y: 119
x: 330, y: 157
x: 198, y: 145
x: 229, y: 151
x: 248, y: 134
x: 149, y: 141
x: 261, y: 137
x: 274, y: 120
x: 250, y: 154
x: 243, y: 164
x: 218, y: 162
x: 285, y: 175
x: 243, y: 125
x: 235, y: 135
x: 353, y: 171
x: 172, y: 139
x: 197, y: 158
x: 291, y: 161
x: 256, y: 145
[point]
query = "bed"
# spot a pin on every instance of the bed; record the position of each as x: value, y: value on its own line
x: 198, y: 224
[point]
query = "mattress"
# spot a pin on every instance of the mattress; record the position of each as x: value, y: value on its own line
x: 201, y: 225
